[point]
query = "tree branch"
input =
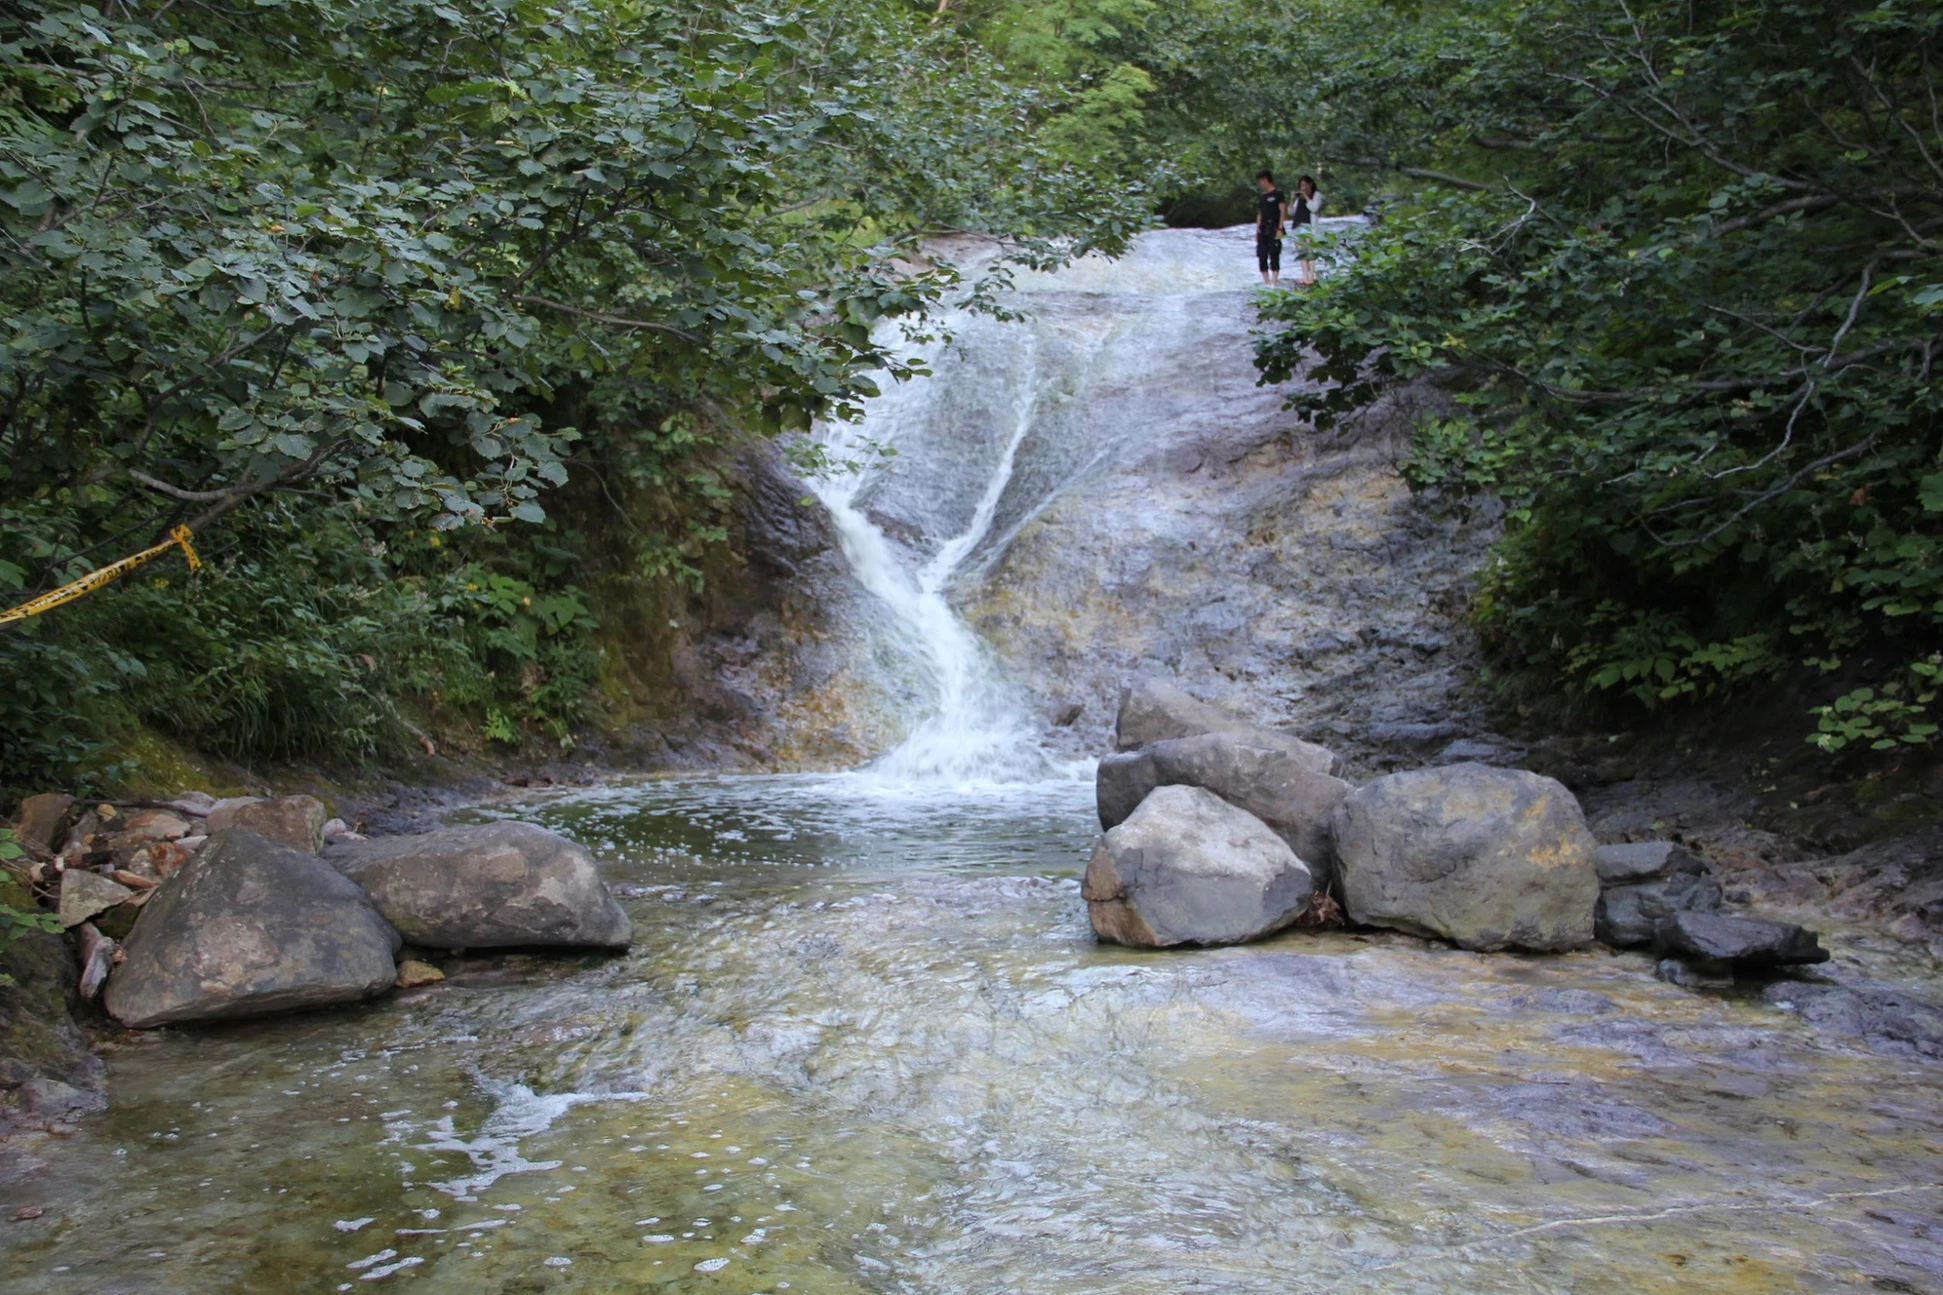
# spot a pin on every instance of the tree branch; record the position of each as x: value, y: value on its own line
x: 1441, y: 177
x: 619, y: 321
x: 1819, y: 202
x: 177, y: 492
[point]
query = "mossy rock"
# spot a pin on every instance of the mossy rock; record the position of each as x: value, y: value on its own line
x: 15, y: 895
x: 46, y: 1070
x: 118, y: 921
x: 163, y: 768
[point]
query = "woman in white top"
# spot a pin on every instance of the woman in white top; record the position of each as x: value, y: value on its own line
x: 1305, y: 205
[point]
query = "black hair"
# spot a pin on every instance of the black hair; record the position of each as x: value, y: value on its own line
x: 1264, y: 175
x: 1309, y: 180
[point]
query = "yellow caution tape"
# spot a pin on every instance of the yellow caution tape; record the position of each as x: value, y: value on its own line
x: 95, y: 579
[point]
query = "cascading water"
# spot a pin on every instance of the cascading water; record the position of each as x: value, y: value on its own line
x: 1093, y: 364
x: 976, y: 730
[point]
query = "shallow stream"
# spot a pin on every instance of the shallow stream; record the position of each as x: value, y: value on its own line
x: 865, y: 1043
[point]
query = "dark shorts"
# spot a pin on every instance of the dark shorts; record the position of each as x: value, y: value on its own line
x: 1268, y: 252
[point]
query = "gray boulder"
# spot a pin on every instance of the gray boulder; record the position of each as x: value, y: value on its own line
x: 490, y: 886
x: 248, y: 927
x: 1283, y: 790
x: 1628, y: 915
x: 1710, y: 942
x: 1153, y: 711
x: 1486, y: 858
x: 1121, y: 782
x: 1187, y: 867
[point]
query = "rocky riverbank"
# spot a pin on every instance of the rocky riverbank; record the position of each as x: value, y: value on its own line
x: 1221, y: 831
x: 197, y: 910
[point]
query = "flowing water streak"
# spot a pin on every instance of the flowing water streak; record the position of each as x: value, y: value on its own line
x: 976, y: 732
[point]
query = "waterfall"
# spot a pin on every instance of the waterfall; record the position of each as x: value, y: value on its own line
x: 976, y: 729
x: 1096, y: 365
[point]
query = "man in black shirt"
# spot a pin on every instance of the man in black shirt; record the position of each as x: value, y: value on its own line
x: 1271, y: 210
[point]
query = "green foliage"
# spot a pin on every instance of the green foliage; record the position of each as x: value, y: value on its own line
x: 329, y: 280
x: 1689, y: 314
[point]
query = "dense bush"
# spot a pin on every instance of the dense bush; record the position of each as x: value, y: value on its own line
x: 328, y: 280
x: 1683, y: 274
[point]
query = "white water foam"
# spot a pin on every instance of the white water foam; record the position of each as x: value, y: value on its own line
x: 494, y: 1150
x: 976, y: 731
x: 1005, y: 425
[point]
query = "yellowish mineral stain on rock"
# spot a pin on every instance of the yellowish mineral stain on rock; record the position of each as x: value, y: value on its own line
x: 413, y: 973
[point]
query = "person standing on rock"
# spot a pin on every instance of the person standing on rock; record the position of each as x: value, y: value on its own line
x: 1271, y: 211
x: 1308, y: 206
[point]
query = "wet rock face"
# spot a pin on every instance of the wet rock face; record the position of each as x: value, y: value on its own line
x: 249, y: 927
x: 769, y: 664
x: 1209, y: 538
x: 1289, y: 790
x: 1153, y: 710
x: 1486, y: 858
x: 1188, y: 868
x: 496, y: 885
x: 1163, y: 516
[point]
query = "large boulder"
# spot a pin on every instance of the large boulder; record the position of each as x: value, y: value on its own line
x: 292, y: 820
x: 248, y: 927
x: 1153, y: 711
x: 490, y: 886
x: 1284, y: 790
x: 1486, y: 858
x: 1187, y: 867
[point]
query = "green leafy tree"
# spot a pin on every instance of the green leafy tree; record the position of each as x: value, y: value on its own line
x: 1680, y: 269
x: 348, y: 288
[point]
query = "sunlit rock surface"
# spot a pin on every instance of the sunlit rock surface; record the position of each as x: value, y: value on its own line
x: 1187, y: 867
x: 1486, y: 858
x: 250, y: 927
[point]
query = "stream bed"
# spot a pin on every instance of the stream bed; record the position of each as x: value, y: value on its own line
x: 866, y: 1043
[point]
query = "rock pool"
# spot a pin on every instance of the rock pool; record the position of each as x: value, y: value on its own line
x: 865, y: 1043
